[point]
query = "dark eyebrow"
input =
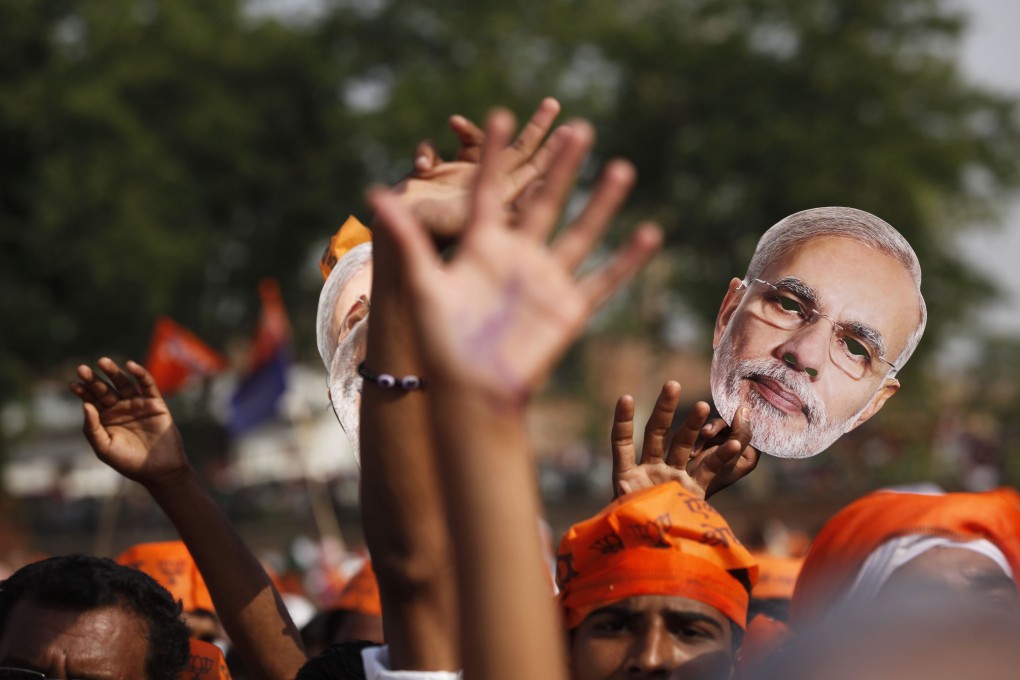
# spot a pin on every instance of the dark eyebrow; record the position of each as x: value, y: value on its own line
x: 858, y: 329
x: 863, y: 331
x: 624, y: 611
x: 798, y: 288
x: 694, y: 617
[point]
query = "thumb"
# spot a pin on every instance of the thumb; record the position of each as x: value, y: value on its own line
x: 98, y: 438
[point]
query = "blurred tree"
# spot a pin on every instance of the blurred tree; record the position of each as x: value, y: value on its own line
x: 162, y: 156
x: 159, y: 157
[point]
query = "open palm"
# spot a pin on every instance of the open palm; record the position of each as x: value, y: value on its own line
x: 505, y: 307
x: 127, y: 423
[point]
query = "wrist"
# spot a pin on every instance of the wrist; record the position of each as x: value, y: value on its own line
x: 173, y: 483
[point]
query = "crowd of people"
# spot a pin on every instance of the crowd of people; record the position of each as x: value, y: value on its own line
x: 436, y: 326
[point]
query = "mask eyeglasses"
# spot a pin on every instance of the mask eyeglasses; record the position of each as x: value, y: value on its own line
x: 854, y: 348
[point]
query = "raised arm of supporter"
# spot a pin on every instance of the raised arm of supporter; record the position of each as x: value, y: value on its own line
x: 436, y: 191
x: 130, y: 429
x: 492, y: 321
x: 703, y: 454
x: 404, y: 527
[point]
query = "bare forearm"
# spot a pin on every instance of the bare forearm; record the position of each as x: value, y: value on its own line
x: 493, y: 504
x: 401, y: 509
x: 246, y: 601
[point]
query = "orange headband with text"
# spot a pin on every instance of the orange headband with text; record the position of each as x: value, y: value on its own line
x: 659, y: 541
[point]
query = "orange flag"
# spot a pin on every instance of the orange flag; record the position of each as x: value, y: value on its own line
x: 176, y: 355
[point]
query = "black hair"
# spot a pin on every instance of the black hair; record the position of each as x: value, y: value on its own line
x: 83, y: 583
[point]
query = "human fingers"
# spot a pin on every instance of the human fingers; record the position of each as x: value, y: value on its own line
x: 146, y: 383
x: 79, y: 390
x: 600, y: 285
x: 414, y: 248
x: 104, y: 394
x: 487, y: 206
x: 426, y: 157
x: 544, y: 211
x: 726, y: 455
x: 577, y: 241
x: 622, y: 440
x: 471, y: 139
x: 653, y: 447
x: 682, y: 444
x: 526, y: 176
x: 712, y: 428
x: 533, y: 132
x: 97, y: 436
x: 125, y: 386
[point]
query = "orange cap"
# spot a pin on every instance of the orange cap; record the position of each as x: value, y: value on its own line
x: 350, y: 234
x: 361, y: 593
x: 777, y: 576
x: 171, y: 565
x: 658, y: 541
x: 205, y: 662
x: 846, y: 541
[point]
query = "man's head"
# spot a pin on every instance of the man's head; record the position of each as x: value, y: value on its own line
x: 812, y: 337
x: 341, y: 321
x: 171, y: 564
x: 895, y: 545
x: 81, y: 616
x: 653, y: 585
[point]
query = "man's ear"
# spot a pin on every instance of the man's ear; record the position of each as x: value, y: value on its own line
x: 729, y: 305
x: 890, y: 386
x: 357, y: 312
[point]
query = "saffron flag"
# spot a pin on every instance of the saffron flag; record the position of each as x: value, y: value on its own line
x: 176, y: 356
x: 257, y: 398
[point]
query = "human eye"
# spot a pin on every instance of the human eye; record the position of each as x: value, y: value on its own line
x: 609, y: 624
x: 695, y: 632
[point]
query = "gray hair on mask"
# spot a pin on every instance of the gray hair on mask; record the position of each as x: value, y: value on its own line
x: 349, y: 266
x: 807, y: 225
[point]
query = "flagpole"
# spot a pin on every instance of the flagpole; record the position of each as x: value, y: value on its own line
x: 106, y: 528
x: 326, y: 523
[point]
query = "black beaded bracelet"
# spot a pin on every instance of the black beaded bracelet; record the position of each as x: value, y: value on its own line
x: 408, y: 383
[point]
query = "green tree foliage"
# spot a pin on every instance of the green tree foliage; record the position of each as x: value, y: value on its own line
x: 160, y: 157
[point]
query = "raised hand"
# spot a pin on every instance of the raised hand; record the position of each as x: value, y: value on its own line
x: 128, y: 424
x: 437, y: 191
x: 505, y: 307
x: 704, y: 455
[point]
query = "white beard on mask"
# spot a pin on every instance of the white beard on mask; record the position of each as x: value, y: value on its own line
x: 345, y: 384
x: 772, y: 430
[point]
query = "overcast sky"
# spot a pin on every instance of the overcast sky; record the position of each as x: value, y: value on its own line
x: 991, y: 54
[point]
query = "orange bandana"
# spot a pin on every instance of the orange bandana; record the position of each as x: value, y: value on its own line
x: 361, y: 593
x: 847, y: 540
x: 171, y: 565
x: 351, y: 233
x: 777, y: 576
x: 659, y: 541
x: 205, y: 662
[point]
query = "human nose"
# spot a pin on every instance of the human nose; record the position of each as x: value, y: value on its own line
x: 808, y: 348
x: 655, y: 654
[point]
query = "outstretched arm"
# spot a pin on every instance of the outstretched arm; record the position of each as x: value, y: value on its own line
x: 130, y: 428
x: 492, y: 322
x: 404, y: 526
x: 704, y: 455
